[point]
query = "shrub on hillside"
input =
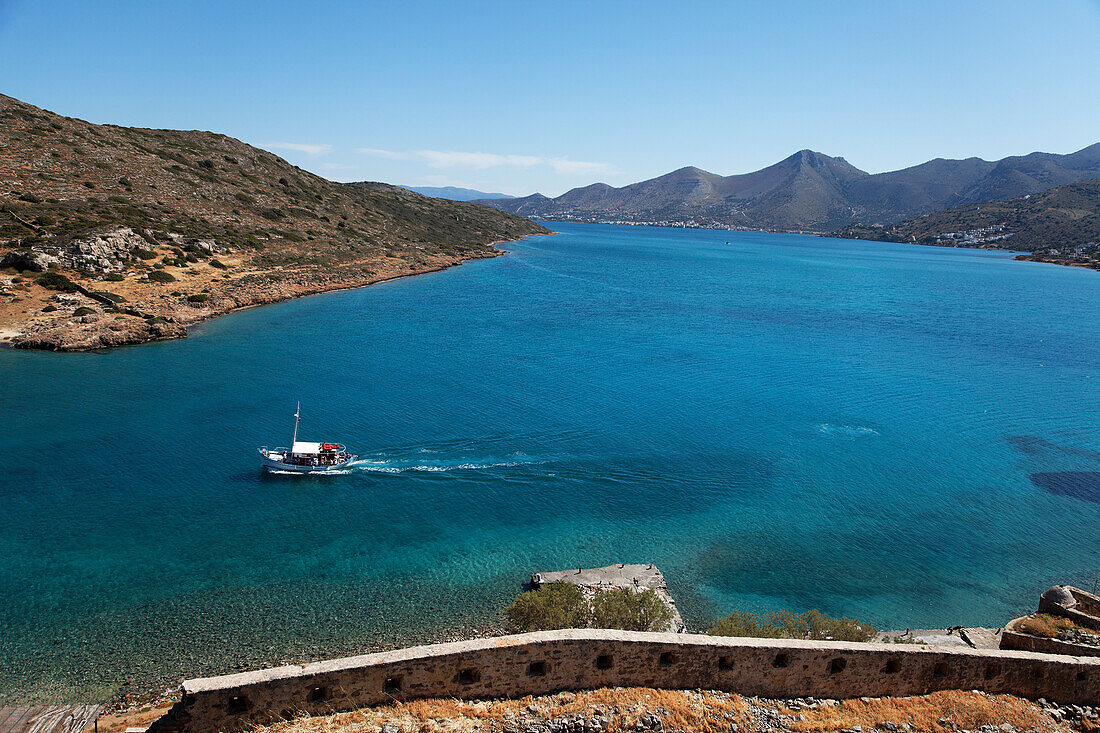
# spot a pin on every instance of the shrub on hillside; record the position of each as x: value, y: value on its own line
x: 198, y: 298
x: 114, y: 277
x: 551, y: 606
x: 83, y: 311
x: 218, y: 264
x: 622, y: 608
x: 145, y: 254
x: 160, y: 276
x: 56, y: 281
x: 787, y: 625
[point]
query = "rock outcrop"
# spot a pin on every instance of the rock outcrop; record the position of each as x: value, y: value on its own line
x: 98, y: 331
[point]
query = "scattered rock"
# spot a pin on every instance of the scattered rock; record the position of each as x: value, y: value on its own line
x: 29, y: 260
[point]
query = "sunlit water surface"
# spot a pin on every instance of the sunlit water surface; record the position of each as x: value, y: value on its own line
x: 904, y: 434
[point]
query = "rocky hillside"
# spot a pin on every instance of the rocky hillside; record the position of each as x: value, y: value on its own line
x: 169, y: 227
x: 1061, y: 225
x: 810, y: 191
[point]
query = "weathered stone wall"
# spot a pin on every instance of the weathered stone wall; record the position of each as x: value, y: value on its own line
x: 1011, y: 638
x: 1079, y: 606
x: 542, y: 662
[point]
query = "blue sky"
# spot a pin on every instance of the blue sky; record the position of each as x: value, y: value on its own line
x: 518, y: 97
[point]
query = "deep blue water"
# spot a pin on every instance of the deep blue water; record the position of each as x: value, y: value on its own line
x: 904, y: 434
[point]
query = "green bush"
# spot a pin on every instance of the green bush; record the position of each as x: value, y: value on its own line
x: 145, y: 254
x: 56, y: 281
x: 622, y: 608
x: 563, y: 606
x: 198, y: 298
x: 160, y: 276
x: 115, y: 277
x: 218, y: 264
x: 49, y: 308
x: 787, y: 625
x: 113, y: 297
x: 83, y: 311
x: 551, y: 606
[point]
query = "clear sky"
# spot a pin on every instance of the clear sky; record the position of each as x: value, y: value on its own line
x: 521, y: 96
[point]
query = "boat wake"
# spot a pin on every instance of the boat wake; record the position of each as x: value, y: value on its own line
x: 420, y: 464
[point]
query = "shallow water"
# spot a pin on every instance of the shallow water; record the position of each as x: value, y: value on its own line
x: 903, y: 434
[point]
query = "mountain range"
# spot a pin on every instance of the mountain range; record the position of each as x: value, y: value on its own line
x: 810, y: 191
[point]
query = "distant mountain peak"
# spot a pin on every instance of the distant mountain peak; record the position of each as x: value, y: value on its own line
x: 809, y: 190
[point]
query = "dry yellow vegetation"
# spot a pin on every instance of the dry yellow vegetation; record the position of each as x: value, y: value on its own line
x: 632, y: 709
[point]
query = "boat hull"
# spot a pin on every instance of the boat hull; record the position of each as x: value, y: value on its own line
x: 273, y: 465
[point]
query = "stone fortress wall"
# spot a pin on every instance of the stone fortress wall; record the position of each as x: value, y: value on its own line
x: 573, y: 659
x: 1080, y: 607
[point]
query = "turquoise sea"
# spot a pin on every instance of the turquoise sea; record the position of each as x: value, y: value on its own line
x: 908, y: 435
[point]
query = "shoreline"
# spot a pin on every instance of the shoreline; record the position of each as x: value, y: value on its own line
x: 1018, y: 255
x: 12, y: 336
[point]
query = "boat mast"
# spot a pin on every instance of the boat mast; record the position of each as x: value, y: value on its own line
x: 297, y: 411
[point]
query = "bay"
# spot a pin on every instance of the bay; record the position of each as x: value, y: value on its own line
x: 903, y: 434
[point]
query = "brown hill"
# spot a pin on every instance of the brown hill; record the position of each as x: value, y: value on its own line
x: 1060, y: 225
x: 811, y: 191
x: 231, y: 224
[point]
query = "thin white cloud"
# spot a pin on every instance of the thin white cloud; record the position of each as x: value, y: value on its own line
x: 307, y: 148
x: 480, y: 161
x: 388, y: 154
x: 447, y: 159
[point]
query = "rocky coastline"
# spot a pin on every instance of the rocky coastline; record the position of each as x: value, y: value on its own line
x: 100, y: 312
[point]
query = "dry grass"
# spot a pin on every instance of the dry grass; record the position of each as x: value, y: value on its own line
x: 1048, y: 626
x: 705, y: 712
x: 966, y: 710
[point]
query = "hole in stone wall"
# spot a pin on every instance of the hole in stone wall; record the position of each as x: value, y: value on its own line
x: 1037, y: 672
x: 725, y: 662
x: 992, y: 671
x: 837, y: 665
x: 468, y: 676
x: 536, y: 669
x: 1082, y: 676
x: 666, y: 659
x: 392, y: 685
x: 939, y: 669
x: 893, y: 666
x: 781, y: 660
x: 237, y: 705
x: 318, y: 694
x: 603, y: 661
